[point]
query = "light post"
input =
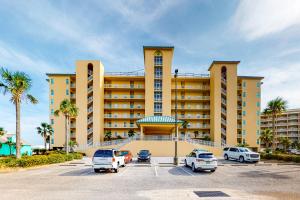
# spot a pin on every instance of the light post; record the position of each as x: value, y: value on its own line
x: 176, y: 130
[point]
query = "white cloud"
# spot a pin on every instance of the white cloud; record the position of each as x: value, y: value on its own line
x: 257, y: 18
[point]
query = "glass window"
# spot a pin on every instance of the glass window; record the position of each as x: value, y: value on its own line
x: 244, y: 113
x: 157, y: 84
x: 244, y: 132
x: 52, y: 101
x: 257, y: 113
x: 258, y: 84
x: 52, y: 121
x: 52, y: 92
x: 244, y: 84
x: 52, y: 141
x: 52, y: 112
x: 157, y: 107
x: 258, y: 122
x: 244, y: 141
x: 258, y: 94
x: 258, y: 104
x: 257, y: 132
x: 52, y: 81
x: 158, y: 60
x: 67, y: 92
x: 158, y: 72
x: 67, y: 81
x: 157, y: 96
x: 244, y: 94
x: 244, y: 122
x: 257, y: 141
x: 244, y: 103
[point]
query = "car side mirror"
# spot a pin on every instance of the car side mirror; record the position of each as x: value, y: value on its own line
x: 150, y: 154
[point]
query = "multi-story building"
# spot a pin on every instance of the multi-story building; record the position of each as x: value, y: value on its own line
x: 287, y: 124
x: 221, y: 104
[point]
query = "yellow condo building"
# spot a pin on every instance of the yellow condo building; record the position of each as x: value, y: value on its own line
x: 220, y: 105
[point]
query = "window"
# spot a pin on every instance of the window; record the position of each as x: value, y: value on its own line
x: 258, y: 94
x: 158, y: 72
x: 244, y: 141
x: 244, y: 122
x: 258, y: 104
x: 244, y: 113
x: 257, y: 132
x: 52, y: 112
x: 67, y: 81
x: 52, y: 92
x: 52, y: 121
x: 158, y: 59
x: 52, y: 81
x: 157, y: 107
x: 157, y: 84
x: 157, y: 96
x: 244, y: 103
x: 257, y: 113
x: 244, y: 94
x: 244, y: 132
x: 52, y: 101
x: 244, y: 84
x: 257, y: 141
x: 258, y: 84
x: 67, y: 92
x: 157, y: 114
x: 52, y: 141
x: 258, y: 122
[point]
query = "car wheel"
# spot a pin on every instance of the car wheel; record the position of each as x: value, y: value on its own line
x: 185, y: 163
x: 213, y: 170
x: 226, y: 157
x: 193, y: 167
x: 241, y: 159
x: 117, y: 169
x: 96, y: 170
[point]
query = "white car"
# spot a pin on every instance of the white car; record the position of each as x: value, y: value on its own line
x: 201, y: 160
x: 104, y: 159
x: 241, y: 154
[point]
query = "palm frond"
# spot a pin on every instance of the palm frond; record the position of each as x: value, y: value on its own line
x: 32, y: 99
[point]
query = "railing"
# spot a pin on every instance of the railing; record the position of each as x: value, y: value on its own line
x: 239, y: 116
x: 192, y: 97
x: 72, y: 96
x: 239, y: 126
x: 122, y: 106
x: 223, y: 121
x: 124, y: 74
x: 90, y: 130
x: 124, y: 86
x: 239, y: 98
x: 123, y: 116
x: 192, y: 108
x: 124, y: 97
x: 158, y: 137
x: 204, y: 142
x: 190, y: 87
x: 90, y: 89
x: 198, y: 126
x: 294, y: 123
x: 119, y: 126
x: 72, y: 85
x: 239, y: 107
x: 223, y: 91
x: 72, y: 125
x: 193, y: 116
x: 239, y: 87
x: 90, y: 78
x: 223, y: 131
x: 89, y: 110
x: 223, y: 80
x: 223, y: 111
x: 90, y: 99
x: 90, y: 120
x: 223, y: 101
x: 187, y: 75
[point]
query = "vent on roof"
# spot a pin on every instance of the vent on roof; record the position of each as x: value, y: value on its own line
x: 211, y: 194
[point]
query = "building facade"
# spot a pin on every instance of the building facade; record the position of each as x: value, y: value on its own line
x: 220, y: 105
x: 286, y: 125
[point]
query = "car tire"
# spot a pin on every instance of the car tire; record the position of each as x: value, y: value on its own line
x: 185, y: 163
x: 226, y: 157
x: 96, y: 170
x: 194, y: 168
x: 241, y: 159
x: 117, y: 169
x: 213, y: 170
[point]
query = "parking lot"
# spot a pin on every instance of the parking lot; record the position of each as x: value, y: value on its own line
x: 156, y: 180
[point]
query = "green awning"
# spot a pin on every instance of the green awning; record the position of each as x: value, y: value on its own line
x: 158, y: 120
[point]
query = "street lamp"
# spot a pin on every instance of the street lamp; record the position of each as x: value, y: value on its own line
x: 176, y: 130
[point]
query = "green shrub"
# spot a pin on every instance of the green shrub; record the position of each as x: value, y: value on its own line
x: 284, y: 157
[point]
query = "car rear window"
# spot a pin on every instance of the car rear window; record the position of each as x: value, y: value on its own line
x: 205, y: 155
x: 103, y: 153
x: 123, y: 153
x: 225, y: 149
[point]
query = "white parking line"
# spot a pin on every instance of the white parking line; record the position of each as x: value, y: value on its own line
x: 186, y: 171
x: 155, y: 169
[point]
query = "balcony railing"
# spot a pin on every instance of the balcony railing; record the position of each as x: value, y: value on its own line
x: 124, y: 97
x: 223, y: 111
x: 198, y: 126
x: 124, y: 73
x: 239, y: 107
x: 90, y: 99
x: 191, y: 75
x: 72, y: 125
x: 204, y: 107
x: 223, y: 91
x: 122, y: 116
x: 193, y: 116
x: 119, y: 126
x: 191, y: 87
x: 90, y: 89
x: 90, y: 130
x: 124, y: 86
x: 90, y: 77
x: 90, y: 120
x: 73, y: 96
x: 89, y: 110
x: 72, y: 85
x: 223, y: 121
x: 239, y: 126
x: 191, y: 97
x: 122, y: 106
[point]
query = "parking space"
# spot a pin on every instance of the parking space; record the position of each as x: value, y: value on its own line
x: 158, y: 179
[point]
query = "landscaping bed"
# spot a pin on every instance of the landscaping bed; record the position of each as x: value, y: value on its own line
x: 36, y: 160
x: 281, y: 157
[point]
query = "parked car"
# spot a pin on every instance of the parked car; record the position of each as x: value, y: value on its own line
x: 127, y: 156
x: 201, y: 160
x: 144, y: 155
x: 294, y: 151
x: 241, y: 154
x: 111, y: 159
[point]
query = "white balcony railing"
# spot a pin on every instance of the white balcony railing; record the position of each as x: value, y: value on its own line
x: 124, y: 86
x: 124, y: 97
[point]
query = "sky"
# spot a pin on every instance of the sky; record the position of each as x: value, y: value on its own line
x: 49, y: 36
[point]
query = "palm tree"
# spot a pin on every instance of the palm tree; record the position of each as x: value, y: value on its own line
x: 45, y: 130
x: 107, y: 136
x: 69, y: 110
x: 273, y: 109
x: 17, y: 84
x: 131, y: 133
x: 267, y: 137
x: 72, y: 144
x: 296, y: 145
x: 2, y: 131
x: 286, y: 143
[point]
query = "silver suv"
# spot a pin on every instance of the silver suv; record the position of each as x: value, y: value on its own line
x: 241, y: 154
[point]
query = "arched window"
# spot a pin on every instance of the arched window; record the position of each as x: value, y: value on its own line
x: 158, y: 59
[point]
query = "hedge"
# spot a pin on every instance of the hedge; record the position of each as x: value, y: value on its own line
x: 284, y: 157
x: 30, y: 161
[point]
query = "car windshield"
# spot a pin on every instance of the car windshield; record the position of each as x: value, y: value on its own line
x: 144, y: 152
x: 244, y: 150
x: 205, y: 155
x: 103, y: 153
x: 123, y: 153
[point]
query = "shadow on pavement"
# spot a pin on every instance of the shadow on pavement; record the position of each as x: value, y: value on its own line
x: 85, y: 172
x: 260, y: 174
x: 186, y: 171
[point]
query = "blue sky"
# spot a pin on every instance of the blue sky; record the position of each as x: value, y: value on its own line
x: 49, y: 36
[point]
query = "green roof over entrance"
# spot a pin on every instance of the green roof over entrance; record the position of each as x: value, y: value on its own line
x: 158, y: 120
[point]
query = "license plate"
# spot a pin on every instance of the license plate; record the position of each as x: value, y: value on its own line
x: 207, y: 162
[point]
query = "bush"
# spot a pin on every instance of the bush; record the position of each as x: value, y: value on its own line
x: 30, y: 161
x: 284, y: 157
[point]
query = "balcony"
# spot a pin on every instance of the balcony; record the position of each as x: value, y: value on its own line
x: 72, y: 125
x: 90, y: 89
x: 223, y: 111
x: 239, y: 87
x: 239, y: 107
x: 223, y: 101
x: 193, y: 116
x: 239, y: 98
x: 72, y: 85
x: 223, y: 121
x: 72, y: 96
x: 122, y: 106
x: 203, y: 107
x: 119, y: 126
x: 191, y: 87
x: 239, y: 126
x: 90, y: 110
x: 123, y: 86
x: 239, y: 117
x: 187, y: 98
x: 108, y: 116
x: 223, y: 80
x: 135, y: 97
x: 223, y: 91
x: 90, y: 99
x: 89, y: 120
x: 223, y: 131
x: 90, y: 78
x: 198, y: 126
x: 294, y: 123
x: 239, y: 135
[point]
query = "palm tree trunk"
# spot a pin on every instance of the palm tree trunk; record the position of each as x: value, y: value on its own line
x: 45, y: 141
x: 66, y: 136
x: 18, y: 152
x: 275, y: 134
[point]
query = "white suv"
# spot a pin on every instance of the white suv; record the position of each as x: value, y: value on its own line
x: 201, y: 160
x: 241, y: 154
x: 108, y: 159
